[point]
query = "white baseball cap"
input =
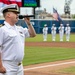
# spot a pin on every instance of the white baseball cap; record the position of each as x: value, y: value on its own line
x: 10, y: 8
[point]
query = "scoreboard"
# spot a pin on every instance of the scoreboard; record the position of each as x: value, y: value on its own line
x: 31, y: 3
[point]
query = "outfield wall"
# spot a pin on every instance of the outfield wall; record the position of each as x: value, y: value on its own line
x: 38, y: 24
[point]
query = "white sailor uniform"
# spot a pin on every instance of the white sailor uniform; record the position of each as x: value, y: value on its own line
x: 61, y: 32
x: 12, y: 39
x: 67, y: 32
x: 45, y: 32
x: 53, y: 32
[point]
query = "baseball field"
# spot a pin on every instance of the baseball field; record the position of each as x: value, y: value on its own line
x: 49, y: 58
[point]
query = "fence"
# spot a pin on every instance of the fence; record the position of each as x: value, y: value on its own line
x: 39, y: 24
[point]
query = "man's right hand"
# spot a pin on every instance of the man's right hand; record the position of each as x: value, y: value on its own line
x: 2, y: 69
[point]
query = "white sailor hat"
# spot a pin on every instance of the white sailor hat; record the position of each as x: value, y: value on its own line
x: 61, y: 24
x: 10, y: 8
x: 67, y: 24
x: 53, y: 24
x: 45, y: 25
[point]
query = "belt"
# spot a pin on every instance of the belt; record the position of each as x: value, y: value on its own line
x: 19, y: 64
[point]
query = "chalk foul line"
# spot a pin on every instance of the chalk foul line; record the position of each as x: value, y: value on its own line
x: 45, y: 66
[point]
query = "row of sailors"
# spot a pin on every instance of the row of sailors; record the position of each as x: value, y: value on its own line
x: 61, y: 32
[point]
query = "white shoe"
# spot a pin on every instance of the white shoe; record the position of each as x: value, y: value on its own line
x: 45, y: 39
x: 67, y: 40
x: 61, y: 39
x: 53, y: 39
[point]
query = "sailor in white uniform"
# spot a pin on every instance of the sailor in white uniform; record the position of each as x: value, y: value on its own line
x: 53, y: 32
x: 67, y: 32
x: 12, y: 41
x: 61, y: 32
x: 45, y: 32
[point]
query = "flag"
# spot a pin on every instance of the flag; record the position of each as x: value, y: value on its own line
x: 7, y: 2
x: 56, y: 16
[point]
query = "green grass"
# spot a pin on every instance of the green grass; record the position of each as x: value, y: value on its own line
x: 35, y: 55
x: 39, y: 38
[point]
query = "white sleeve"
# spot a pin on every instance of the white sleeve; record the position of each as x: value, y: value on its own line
x: 43, y: 30
x: 0, y: 49
x: 1, y: 38
x: 55, y: 28
x: 26, y: 32
x: 70, y: 28
x: 47, y: 28
x: 65, y: 28
x: 59, y: 28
